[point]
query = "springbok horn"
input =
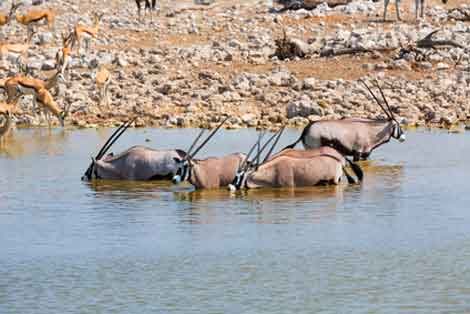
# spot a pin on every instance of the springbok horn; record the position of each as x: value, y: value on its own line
x: 260, y: 137
x: 209, y: 137
x: 106, y: 145
x: 274, y: 145
x: 376, y: 99
x: 118, y: 136
x: 195, y: 142
x: 385, y: 100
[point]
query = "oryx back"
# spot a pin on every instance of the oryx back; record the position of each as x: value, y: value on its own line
x: 139, y: 163
x: 349, y: 136
x: 216, y: 172
x: 285, y: 171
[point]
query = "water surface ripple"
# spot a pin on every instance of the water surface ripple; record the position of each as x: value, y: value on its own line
x: 400, y: 243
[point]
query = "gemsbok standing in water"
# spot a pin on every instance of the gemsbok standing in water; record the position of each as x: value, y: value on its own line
x: 136, y: 163
x: 353, y: 137
x: 209, y: 173
x: 295, y: 168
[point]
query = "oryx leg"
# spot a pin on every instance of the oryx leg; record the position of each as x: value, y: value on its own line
x: 386, y: 2
x: 421, y: 2
x: 397, y: 5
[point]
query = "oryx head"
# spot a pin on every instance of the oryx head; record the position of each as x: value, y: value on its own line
x: 396, y: 131
x: 247, y: 167
x: 184, y: 165
x: 92, y: 170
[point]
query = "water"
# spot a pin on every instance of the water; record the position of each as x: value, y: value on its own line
x: 400, y: 243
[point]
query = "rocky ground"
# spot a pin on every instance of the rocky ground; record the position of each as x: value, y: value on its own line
x: 195, y: 63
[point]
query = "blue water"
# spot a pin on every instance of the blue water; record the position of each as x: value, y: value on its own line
x: 399, y: 243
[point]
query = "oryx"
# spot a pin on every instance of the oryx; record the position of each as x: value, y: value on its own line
x: 136, y: 163
x: 209, y: 173
x: 353, y: 137
x: 296, y: 168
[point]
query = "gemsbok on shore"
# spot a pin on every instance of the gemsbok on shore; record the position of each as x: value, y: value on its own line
x: 135, y: 163
x: 353, y: 137
x: 209, y: 173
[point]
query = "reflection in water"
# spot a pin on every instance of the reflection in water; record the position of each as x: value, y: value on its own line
x: 33, y: 141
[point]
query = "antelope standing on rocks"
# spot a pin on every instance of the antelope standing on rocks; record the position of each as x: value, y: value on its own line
x: 11, y: 85
x: 150, y: 5
x: 419, y: 8
x: 43, y: 98
x: 209, y: 173
x: 103, y: 78
x: 353, y: 137
x: 5, y: 19
x: 295, y: 168
x: 62, y: 57
x: 6, y: 112
x: 33, y: 18
x: 16, y: 50
x: 135, y: 163
x: 86, y: 33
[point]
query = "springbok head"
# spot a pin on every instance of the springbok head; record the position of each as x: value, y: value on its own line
x: 249, y: 166
x: 184, y: 165
x: 397, y: 132
x: 92, y: 173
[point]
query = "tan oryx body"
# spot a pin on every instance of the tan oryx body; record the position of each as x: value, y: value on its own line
x: 352, y: 137
x: 210, y: 173
x: 294, y: 168
x: 285, y: 171
x: 297, y: 168
x: 86, y: 33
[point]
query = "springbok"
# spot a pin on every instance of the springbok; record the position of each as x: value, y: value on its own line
x: 103, y: 78
x: 11, y: 84
x: 86, y: 32
x: 17, y: 50
x: 209, y: 173
x: 150, y: 5
x: 43, y: 98
x: 353, y: 137
x: 35, y: 18
x: 136, y: 163
x: 62, y: 57
x: 419, y: 8
x: 6, y: 112
x: 5, y: 19
x: 296, y: 168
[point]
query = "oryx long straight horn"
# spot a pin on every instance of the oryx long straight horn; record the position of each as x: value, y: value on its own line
x: 208, y: 138
x: 274, y: 145
x: 376, y: 99
x: 127, y: 125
